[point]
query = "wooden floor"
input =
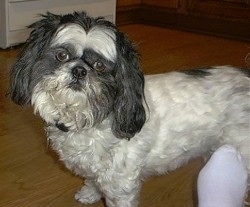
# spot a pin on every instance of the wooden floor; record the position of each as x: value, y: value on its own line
x: 30, y: 173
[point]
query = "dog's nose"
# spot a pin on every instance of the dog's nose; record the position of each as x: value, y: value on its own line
x: 79, y: 72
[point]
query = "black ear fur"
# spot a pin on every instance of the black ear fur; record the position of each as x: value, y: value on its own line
x: 129, y: 112
x: 34, y: 46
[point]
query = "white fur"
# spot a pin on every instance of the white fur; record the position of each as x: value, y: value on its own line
x: 102, y: 41
x: 98, y: 38
x: 59, y: 102
x: 188, y: 118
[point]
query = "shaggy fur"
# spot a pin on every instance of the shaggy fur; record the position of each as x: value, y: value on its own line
x: 109, y: 123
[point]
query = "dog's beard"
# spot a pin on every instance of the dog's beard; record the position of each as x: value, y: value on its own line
x: 75, y: 104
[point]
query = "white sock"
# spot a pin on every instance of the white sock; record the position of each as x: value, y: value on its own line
x: 223, y: 180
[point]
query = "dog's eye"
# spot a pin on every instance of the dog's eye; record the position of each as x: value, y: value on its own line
x: 62, y: 56
x: 99, y: 66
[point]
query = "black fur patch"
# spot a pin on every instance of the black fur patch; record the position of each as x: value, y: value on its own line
x: 62, y: 127
x: 197, y: 73
x: 245, y: 71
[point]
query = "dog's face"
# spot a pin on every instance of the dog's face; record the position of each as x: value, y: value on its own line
x: 78, y: 71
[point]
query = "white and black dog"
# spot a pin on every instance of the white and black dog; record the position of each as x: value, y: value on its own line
x: 112, y: 125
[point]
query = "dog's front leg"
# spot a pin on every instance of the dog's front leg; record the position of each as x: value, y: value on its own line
x: 122, y: 192
x: 125, y: 201
x: 89, y: 193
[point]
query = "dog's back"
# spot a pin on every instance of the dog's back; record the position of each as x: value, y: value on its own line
x: 193, y: 112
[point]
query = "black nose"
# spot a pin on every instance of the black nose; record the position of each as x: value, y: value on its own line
x: 79, y: 72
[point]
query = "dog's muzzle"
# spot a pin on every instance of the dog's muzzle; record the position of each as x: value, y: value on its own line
x: 79, y: 72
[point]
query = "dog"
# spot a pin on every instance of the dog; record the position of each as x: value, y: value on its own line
x: 114, y: 126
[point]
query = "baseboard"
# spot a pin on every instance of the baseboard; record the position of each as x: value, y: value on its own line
x: 127, y: 15
x: 158, y: 16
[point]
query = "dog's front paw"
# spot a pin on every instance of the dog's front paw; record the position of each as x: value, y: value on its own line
x: 88, y: 195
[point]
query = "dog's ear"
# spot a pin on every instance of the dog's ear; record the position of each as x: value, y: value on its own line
x: 129, y: 112
x: 40, y: 36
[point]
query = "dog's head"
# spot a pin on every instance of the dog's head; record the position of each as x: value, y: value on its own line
x: 80, y: 70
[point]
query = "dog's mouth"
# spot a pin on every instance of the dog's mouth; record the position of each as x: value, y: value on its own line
x: 76, y: 85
